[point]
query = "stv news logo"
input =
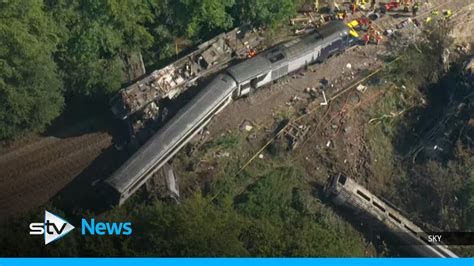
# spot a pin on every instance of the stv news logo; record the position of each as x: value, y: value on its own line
x: 54, y: 227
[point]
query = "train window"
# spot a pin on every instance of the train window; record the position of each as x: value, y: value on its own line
x: 394, y: 218
x: 346, y: 38
x: 342, y: 180
x: 262, y: 77
x: 360, y: 193
x: 411, y: 230
x: 376, y: 204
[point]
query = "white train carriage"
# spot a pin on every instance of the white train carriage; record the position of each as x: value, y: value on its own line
x: 344, y: 191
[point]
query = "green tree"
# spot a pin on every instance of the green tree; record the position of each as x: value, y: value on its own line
x: 307, y: 238
x: 283, y: 226
x: 265, y: 12
x: 194, y: 228
x: 96, y: 36
x: 469, y: 205
x: 164, y: 30
x: 201, y: 18
x: 271, y: 195
x: 30, y: 88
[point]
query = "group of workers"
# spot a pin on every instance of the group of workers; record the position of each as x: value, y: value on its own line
x: 373, y: 34
x: 361, y: 5
x: 357, y: 5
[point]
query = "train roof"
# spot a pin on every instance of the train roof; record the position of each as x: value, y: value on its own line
x: 332, y: 27
x: 149, y: 155
x: 249, y: 68
x: 322, y: 36
x: 266, y: 61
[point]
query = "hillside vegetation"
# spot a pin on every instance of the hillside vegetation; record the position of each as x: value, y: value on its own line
x: 57, y: 55
x: 266, y: 211
x: 425, y: 135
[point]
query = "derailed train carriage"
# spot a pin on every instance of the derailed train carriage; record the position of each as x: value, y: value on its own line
x: 236, y: 81
x: 344, y: 191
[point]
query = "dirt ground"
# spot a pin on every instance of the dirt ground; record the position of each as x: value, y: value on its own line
x: 35, y: 170
x: 463, y: 30
x: 267, y: 102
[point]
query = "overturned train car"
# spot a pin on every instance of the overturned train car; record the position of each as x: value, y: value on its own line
x: 344, y: 191
x: 236, y: 81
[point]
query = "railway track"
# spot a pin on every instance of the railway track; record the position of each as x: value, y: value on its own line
x: 31, y: 175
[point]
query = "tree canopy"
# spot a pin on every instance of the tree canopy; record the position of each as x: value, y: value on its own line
x: 197, y: 227
x: 265, y: 12
x: 61, y: 53
x: 96, y: 35
x: 30, y: 85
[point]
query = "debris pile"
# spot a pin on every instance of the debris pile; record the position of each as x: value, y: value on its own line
x: 171, y: 80
x: 295, y: 133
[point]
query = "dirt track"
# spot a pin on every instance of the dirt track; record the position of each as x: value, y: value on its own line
x: 30, y: 175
